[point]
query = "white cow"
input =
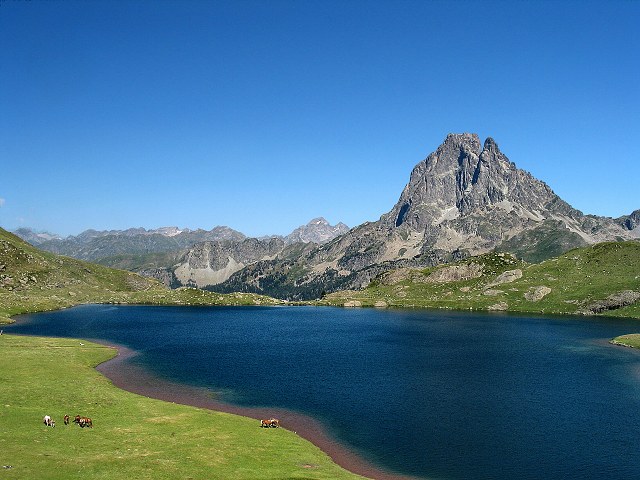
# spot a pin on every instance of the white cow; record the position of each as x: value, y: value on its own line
x: 48, y: 421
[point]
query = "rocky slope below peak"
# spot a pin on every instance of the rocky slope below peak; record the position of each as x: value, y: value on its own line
x: 211, y: 263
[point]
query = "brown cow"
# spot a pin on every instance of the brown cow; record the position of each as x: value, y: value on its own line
x: 270, y: 423
x: 66, y: 419
x: 86, y: 422
x: 83, y: 421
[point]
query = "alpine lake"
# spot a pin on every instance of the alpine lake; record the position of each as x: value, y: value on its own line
x: 429, y: 394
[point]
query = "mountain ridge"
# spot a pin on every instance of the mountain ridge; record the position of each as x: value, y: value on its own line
x: 97, y: 245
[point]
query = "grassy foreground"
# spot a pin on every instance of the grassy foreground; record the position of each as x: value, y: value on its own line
x: 133, y: 436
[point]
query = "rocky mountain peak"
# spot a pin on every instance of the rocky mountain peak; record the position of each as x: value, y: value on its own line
x: 461, y: 140
x: 490, y: 145
x: 33, y: 237
x: 453, y: 152
x: 318, y: 221
x: 632, y: 222
x: 462, y: 177
x: 318, y: 230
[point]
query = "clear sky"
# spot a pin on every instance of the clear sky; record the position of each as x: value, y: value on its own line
x: 261, y: 115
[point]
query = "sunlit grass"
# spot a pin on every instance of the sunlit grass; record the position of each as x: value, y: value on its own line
x: 133, y: 436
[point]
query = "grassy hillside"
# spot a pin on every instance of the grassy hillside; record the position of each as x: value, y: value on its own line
x: 141, y: 261
x: 601, y: 279
x: 133, y: 436
x: 33, y: 280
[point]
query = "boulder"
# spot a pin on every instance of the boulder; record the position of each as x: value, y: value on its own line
x: 535, y: 294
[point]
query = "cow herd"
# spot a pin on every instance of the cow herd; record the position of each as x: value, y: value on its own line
x: 81, y: 421
x: 87, y: 422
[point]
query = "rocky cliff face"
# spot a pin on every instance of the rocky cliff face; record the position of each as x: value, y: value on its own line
x: 466, y: 198
x: 632, y: 222
x: 211, y: 263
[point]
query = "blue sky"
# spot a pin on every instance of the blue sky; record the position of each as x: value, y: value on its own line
x: 261, y: 115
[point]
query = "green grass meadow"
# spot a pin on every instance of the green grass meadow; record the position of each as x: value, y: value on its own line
x: 133, y: 436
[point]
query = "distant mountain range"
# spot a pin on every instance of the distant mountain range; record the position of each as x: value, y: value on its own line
x: 96, y: 245
x: 164, y: 248
x: 466, y: 198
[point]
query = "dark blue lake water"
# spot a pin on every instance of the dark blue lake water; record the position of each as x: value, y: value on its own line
x: 440, y: 395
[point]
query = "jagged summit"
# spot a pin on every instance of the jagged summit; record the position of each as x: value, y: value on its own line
x: 461, y: 178
x: 490, y: 144
x: 318, y: 230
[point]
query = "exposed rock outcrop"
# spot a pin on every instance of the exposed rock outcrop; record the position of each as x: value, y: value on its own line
x: 535, y: 294
x: 455, y: 273
x: 211, y: 263
x: 506, y: 277
x: 612, y: 302
x: 500, y: 306
x: 353, y: 303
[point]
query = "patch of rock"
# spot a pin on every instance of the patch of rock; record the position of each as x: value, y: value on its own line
x: 500, y: 306
x: 612, y: 302
x: 353, y: 303
x: 535, y: 294
x: 492, y: 293
x: 396, y: 276
x: 506, y: 277
x: 454, y: 273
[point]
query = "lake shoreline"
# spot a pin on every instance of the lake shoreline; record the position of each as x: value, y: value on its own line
x: 135, y: 379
